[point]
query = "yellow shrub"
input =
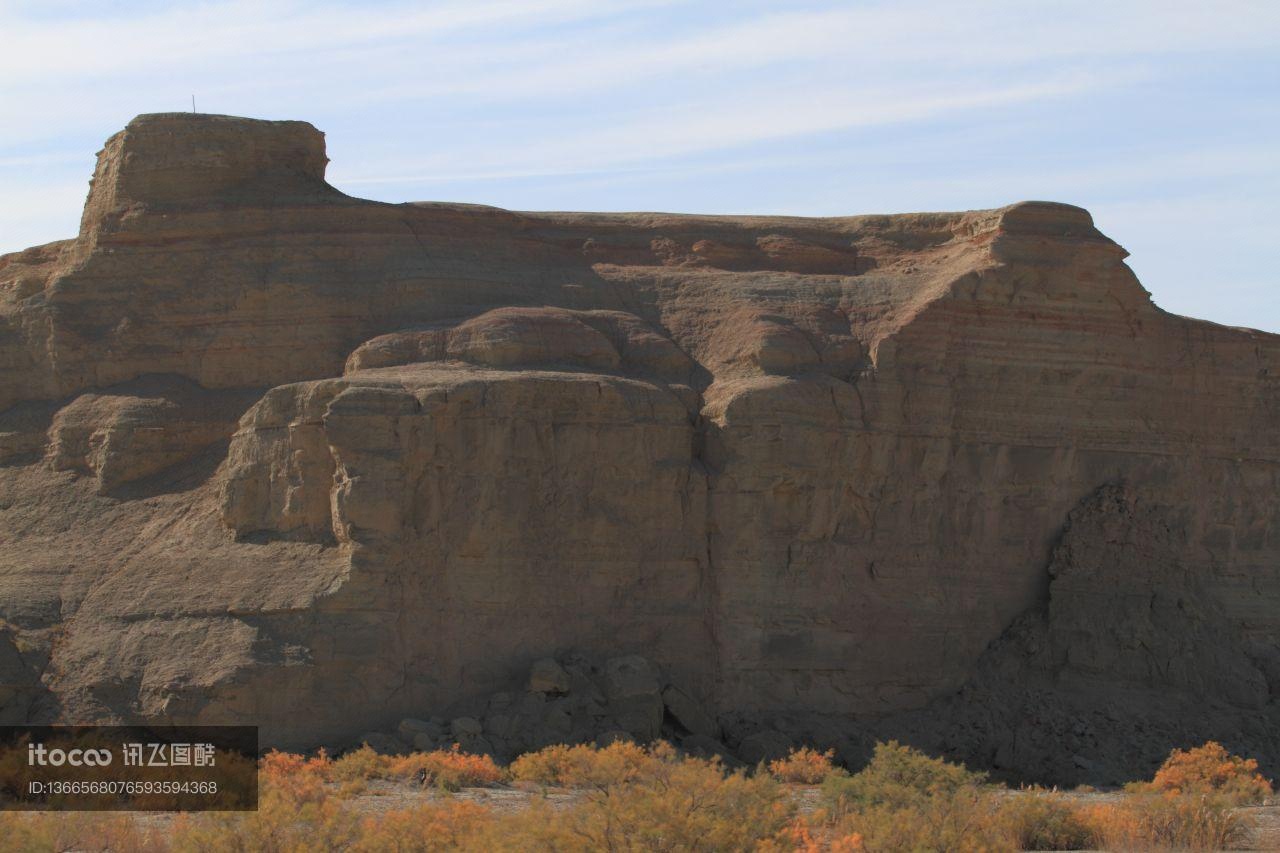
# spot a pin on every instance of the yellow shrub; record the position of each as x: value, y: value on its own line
x: 804, y: 766
x: 898, y: 776
x: 296, y: 813
x: 670, y: 805
x: 1038, y: 820
x: 452, y: 825
x: 634, y: 798
x: 643, y: 799
x: 588, y: 766
x: 965, y: 820
x: 448, y: 769
x: 1164, y: 821
x: 1209, y: 769
x: 92, y: 832
x: 359, y: 765
x: 549, y: 766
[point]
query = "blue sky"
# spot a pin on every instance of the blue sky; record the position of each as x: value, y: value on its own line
x: 1162, y: 118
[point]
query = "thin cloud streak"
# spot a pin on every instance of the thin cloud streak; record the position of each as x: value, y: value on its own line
x: 815, y: 107
x: 746, y: 119
x: 233, y: 30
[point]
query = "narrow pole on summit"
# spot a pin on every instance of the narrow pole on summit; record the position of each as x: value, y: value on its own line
x: 193, y: 103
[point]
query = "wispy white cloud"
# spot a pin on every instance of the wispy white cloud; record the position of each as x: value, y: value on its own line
x: 102, y: 43
x: 640, y: 103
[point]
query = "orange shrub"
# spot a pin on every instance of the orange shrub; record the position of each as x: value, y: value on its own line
x: 1209, y: 769
x: 588, y: 766
x: 804, y: 766
x: 297, y: 813
x: 276, y: 764
x: 1163, y: 822
x: 802, y: 836
x: 448, y: 769
x: 298, y: 777
x: 453, y: 825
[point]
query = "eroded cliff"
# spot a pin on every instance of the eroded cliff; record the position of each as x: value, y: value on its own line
x: 272, y: 454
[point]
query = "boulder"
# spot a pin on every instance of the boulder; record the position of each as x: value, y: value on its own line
x: 547, y: 676
x: 461, y: 727
x: 702, y: 746
x: 689, y: 713
x: 634, y: 693
x: 424, y: 742
x: 630, y: 677
x: 613, y: 736
x: 383, y: 744
x: 477, y: 744
x: 766, y: 745
x: 409, y: 730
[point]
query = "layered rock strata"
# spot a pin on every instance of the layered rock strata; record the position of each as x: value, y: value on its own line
x: 277, y: 455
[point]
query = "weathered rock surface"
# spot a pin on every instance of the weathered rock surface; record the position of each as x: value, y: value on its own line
x: 580, y: 702
x: 272, y: 454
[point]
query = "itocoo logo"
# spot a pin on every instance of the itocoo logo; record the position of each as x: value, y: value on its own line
x: 39, y: 754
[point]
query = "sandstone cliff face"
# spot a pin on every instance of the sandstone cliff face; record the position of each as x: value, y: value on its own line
x: 273, y: 454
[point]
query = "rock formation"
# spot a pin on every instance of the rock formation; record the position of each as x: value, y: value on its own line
x: 276, y: 455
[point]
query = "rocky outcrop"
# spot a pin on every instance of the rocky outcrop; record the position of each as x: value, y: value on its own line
x: 140, y: 428
x: 574, y: 702
x: 276, y: 455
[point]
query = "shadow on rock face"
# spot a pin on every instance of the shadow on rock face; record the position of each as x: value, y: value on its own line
x: 1130, y: 657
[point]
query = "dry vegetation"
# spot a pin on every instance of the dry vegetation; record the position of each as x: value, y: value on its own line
x: 627, y: 797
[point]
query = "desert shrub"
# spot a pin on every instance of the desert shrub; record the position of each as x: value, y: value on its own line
x: 802, y: 835
x: 587, y: 766
x: 1038, y: 820
x: 92, y: 832
x: 452, y: 825
x: 965, y: 820
x: 644, y: 799
x: 298, y: 777
x: 1209, y: 769
x: 278, y: 826
x: 898, y: 776
x: 448, y: 769
x: 905, y: 800
x: 359, y: 765
x: 1165, y: 821
x: 804, y: 766
x: 548, y: 766
x: 296, y: 813
x: 672, y: 804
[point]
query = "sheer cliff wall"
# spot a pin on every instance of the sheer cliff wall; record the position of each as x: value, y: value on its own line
x: 277, y: 455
